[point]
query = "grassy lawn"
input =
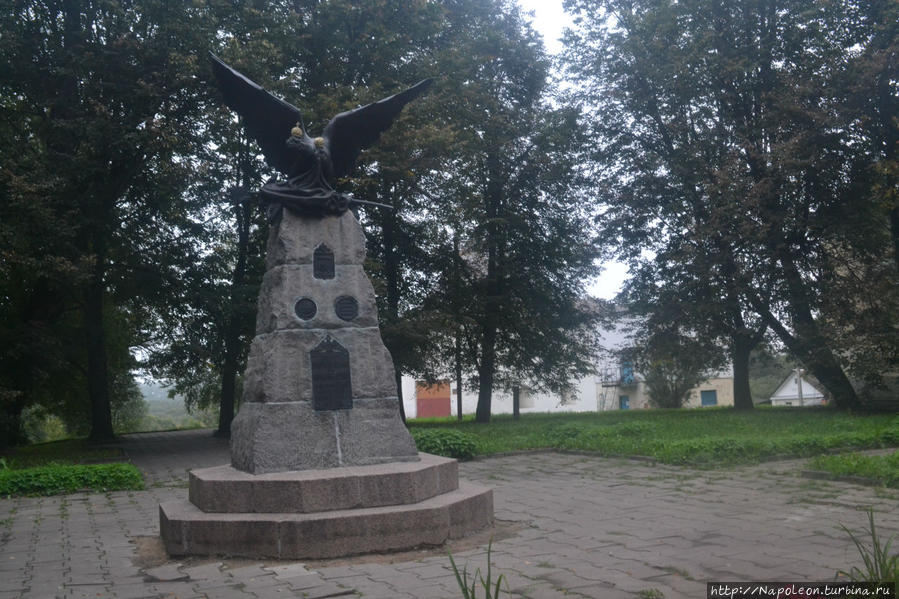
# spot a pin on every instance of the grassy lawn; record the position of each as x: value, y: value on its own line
x: 706, y: 437
x: 69, y: 451
x: 65, y: 467
x: 882, y: 469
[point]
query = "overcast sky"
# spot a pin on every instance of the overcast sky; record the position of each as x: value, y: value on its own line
x: 550, y: 19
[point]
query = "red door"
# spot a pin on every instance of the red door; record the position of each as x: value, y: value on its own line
x: 432, y: 401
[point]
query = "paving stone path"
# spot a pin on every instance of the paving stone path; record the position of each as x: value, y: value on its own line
x: 569, y: 526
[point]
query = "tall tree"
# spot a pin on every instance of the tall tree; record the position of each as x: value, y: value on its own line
x: 730, y: 155
x: 102, y: 96
x: 514, y: 191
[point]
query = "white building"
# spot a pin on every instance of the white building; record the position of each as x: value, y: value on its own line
x: 581, y: 399
x: 796, y: 390
x: 614, y: 386
x: 620, y: 387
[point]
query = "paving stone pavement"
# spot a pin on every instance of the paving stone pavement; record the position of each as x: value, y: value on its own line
x: 570, y: 526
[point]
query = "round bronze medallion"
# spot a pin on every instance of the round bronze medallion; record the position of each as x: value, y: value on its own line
x: 347, y: 307
x: 305, y: 308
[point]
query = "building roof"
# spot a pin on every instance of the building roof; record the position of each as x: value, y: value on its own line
x: 789, y: 389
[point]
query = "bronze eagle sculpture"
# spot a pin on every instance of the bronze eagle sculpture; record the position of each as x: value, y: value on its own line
x: 311, y: 165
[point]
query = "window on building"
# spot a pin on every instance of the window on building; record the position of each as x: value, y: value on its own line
x: 627, y: 373
x: 709, y: 398
x: 624, y: 402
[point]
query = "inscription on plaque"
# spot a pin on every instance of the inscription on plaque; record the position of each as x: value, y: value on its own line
x: 331, y: 388
x: 346, y: 307
x: 323, y: 262
x: 305, y: 308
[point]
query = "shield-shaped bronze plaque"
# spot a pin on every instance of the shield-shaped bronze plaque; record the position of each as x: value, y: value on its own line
x: 331, y: 388
x: 323, y: 262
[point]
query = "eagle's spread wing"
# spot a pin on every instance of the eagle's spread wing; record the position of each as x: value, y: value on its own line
x: 350, y: 132
x: 267, y: 119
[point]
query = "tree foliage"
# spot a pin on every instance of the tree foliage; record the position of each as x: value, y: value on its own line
x: 672, y: 363
x: 744, y: 150
x: 513, y: 287
x: 97, y: 105
x: 121, y: 235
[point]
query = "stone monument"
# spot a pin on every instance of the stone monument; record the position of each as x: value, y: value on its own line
x: 321, y: 464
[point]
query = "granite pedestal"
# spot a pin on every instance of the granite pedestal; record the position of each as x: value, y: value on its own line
x: 321, y: 463
x: 326, y: 513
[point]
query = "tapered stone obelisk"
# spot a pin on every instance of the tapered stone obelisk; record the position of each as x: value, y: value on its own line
x: 319, y: 389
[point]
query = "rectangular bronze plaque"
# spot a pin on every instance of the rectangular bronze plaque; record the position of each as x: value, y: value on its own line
x: 331, y: 388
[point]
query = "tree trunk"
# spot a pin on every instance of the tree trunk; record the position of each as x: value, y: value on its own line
x: 399, y: 393
x: 458, y: 358
x: 486, y: 370
x: 457, y: 349
x: 97, y: 367
x: 822, y: 363
x: 11, y: 433
x: 487, y: 366
x: 228, y: 399
x: 392, y: 278
x: 516, y: 402
x: 741, y: 346
x: 812, y: 346
x: 894, y: 230
x: 229, y: 385
x: 819, y: 360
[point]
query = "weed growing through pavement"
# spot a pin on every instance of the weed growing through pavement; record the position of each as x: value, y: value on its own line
x: 677, y: 571
x: 491, y: 588
x: 879, y: 565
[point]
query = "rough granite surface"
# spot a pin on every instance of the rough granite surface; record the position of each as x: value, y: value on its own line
x: 277, y: 428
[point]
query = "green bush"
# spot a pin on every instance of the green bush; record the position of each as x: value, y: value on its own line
x: 57, y: 479
x: 446, y: 442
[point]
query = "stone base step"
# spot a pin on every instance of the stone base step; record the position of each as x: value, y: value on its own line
x: 187, y: 530
x: 226, y: 489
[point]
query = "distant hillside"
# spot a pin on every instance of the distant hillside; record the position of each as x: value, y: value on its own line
x: 155, y: 392
x: 168, y: 413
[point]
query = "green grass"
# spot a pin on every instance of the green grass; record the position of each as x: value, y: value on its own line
x: 882, y: 470
x: 65, y: 467
x: 69, y: 451
x: 56, y: 479
x: 706, y: 437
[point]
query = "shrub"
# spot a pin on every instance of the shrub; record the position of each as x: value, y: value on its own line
x: 445, y: 442
x: 57, y: 479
